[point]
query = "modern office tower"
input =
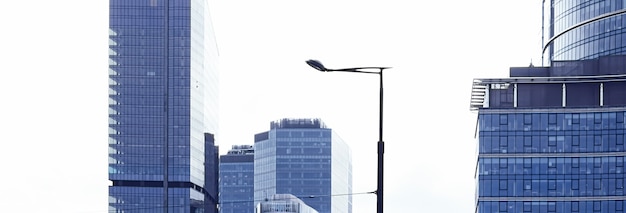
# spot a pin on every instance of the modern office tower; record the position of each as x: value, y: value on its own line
x: 162, y: 107
x: 582, y: 30
x: 551, y: 139
x: 237, y: 180
x: 280, y: 203
x: 304, y: 158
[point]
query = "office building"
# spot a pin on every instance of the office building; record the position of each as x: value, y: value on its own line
x: 304, y: 158
x: 237, y: 180
x: 551, y: 138
x: 284, y: 203
x: 583, y: 30
x: 162, y: 107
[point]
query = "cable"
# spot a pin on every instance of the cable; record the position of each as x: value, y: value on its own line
x: 299, y: 197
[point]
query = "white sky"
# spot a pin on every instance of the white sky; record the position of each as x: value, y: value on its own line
x: 54, y: 90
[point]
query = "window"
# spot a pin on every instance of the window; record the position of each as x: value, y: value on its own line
x: 552, y: 119
x: 503, y: 119
x: 551, y: 206
x: 527, y: 206
x: 503, y: 185
x: 575, y: 206
x: 551, y: 140
x: 503, y: 206
x: 528, y: 119
x: 575, y: 118
x: 527, y: 163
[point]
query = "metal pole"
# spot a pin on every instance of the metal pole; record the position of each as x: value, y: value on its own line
x: 381, y: 149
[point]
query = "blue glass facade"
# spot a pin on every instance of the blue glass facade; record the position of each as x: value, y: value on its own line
x: 304, y: 158
x: 582, y: 30
x: 549, y: 142
x: 237, y: 180
x: 552, y: 161
x: 162, y: 107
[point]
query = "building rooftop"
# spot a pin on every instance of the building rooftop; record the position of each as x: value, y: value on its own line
x: 314, y: 123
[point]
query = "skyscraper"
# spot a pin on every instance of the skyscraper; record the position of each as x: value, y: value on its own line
x: 237, y: 180
x: 551, y: 139
x: 582, y: 30
x: 162, y: 107
x: 304, y: 158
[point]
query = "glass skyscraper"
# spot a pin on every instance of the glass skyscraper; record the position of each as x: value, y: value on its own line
x: 237, y: 180
x: 304, y: 158
x: 581, y: 30
x: 162, y: 107
x: 551, y: 139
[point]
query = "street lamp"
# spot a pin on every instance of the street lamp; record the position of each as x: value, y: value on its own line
x: 381, y: 144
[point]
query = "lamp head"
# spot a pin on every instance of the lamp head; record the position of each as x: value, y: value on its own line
x: 317, y: 65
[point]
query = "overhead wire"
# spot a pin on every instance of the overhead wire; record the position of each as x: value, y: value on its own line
x: 299, y: 197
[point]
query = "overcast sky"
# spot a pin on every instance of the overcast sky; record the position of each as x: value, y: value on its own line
x: 54, y: 90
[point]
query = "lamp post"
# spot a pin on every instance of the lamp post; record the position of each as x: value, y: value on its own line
x: 381, y: 144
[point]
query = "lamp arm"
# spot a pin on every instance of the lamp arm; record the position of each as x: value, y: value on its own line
x: 359, y: 70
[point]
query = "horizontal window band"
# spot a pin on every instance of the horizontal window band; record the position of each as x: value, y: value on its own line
x: 553, y: 155
x: 547, y: 199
